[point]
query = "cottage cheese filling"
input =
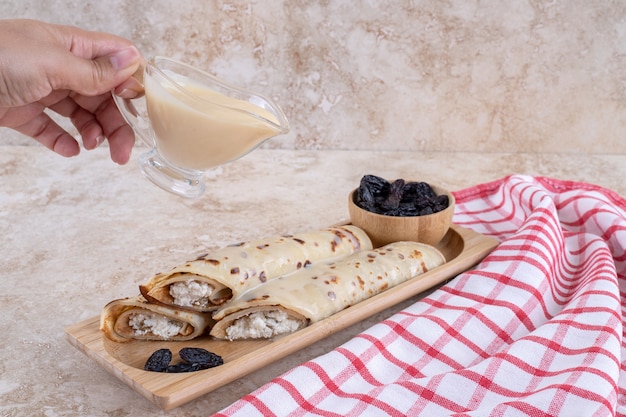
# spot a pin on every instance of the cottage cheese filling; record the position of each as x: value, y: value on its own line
x: 191, y: 293
x: 143, y: 324
x: 262, y: 324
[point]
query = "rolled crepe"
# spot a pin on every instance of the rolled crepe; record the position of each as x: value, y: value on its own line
x: 214, y: 278
x: 293, y: 301
x: 134, y: 318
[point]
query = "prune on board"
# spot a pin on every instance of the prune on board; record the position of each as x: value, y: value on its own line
x: 200, y: 356
x: 193, y: 359
x: 398, y: 198
x: 158, y: 361
x: 183, y: 367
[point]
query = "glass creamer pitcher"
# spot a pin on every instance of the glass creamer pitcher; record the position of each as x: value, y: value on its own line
x: 192, y: 121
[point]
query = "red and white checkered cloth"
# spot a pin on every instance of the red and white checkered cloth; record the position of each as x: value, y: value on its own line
x: 534, y: 330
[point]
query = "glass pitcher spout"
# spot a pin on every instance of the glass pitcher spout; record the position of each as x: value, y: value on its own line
x: 277, y: 120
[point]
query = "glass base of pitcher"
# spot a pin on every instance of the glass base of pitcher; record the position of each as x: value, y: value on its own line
x: 184, y: 183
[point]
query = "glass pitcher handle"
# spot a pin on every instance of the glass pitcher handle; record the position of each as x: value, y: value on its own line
x: 137, y: 120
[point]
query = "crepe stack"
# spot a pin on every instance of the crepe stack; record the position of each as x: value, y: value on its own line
x: 134, y: 318
x: 295, y: 300
x: 185, y: 297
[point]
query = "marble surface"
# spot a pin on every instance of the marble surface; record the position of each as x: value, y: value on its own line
x: 77, y: 233
x: 420, y: 75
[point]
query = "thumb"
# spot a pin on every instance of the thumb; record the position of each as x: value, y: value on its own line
x: 96, y: 76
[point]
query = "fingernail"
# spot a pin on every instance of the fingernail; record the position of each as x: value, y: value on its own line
x: 125, y: 159
x: 128, y: 93
x: 124, y: 58
x: 99, y: 140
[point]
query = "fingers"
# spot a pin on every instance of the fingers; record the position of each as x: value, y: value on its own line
x: 95, y: 118
x: 64, y: 59
x: 129, y: 89
x: 120, y: 136
x: 45, y: 131
x: 97, y: 62
x: 85, y: 122
x: 31, y: 120
x: 121, y: 144
x: 96, y: 76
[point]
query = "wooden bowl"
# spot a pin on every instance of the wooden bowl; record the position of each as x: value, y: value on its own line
x: 382, y: 229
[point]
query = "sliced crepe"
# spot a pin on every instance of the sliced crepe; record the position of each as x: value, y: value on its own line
x: 214, y: 278
x: 293, y: 301
x: 134, y: 318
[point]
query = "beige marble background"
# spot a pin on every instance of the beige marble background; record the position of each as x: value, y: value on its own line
x: 421, y: 75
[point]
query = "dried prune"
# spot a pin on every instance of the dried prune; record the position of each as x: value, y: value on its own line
x: 398, y: 198
x: 200, y: 356
x: 392, y: 201
x: 194, y: 359
x: 376, y: 186
x: 183, y: 367
x: 158, y: 361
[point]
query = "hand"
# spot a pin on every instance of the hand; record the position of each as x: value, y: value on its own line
x: 72, y: 72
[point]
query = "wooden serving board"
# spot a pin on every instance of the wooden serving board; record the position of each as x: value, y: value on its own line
x: 463, y: 248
